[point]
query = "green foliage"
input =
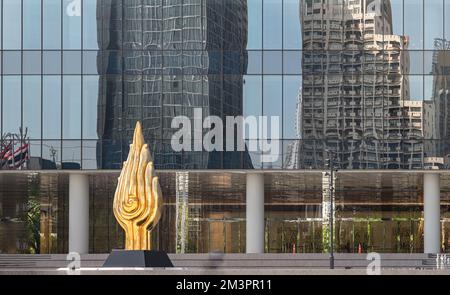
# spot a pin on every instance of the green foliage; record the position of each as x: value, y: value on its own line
x: 32, y: 216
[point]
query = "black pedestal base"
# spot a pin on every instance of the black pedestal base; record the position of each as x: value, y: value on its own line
x: 144, y: 258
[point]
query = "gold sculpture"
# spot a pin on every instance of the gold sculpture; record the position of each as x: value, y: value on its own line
x: 138, y: 199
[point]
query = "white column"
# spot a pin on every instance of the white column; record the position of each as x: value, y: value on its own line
x: 79, y: 213
x: 432, y: 213
x: 255, y: 213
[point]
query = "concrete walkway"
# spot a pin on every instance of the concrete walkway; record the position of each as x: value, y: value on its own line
x: 220, y: 272
x: 233, y: 264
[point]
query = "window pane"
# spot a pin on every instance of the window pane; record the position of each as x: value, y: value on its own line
x: 273, y: 62
x: 90, y: 31
x: 90, y: 62
x: 90, y: 106
x: 32, y: 106
x: 12, y: 104
x: 72, y: 62
x: 12, y: 63
x: 416, y: 62
x: 152, y: 25
x: 416, y: 87
x: 254, y: 62
x: 252, y: 96
x: 292, y: 34
x: 272, y: 106
x: 414, y: 23
x: 52, y: 62
x: 32, y: 62
x: 132, y: 10
x: 52, y: 107
x: 52, y: 24
x: 12, y: 19
x: 434, y: 22
x: 51, y: 154
x: 292, y: 62
x: 447, y: 19
x: 397, y: 16
x: 273, y: 24
x: 71, y: 154
x: 71, y: 24
x: 291, y: 106
x: 152, y: 62
x: 254, y: 24
x: 89, y: 153
x: 31, y: 24
x: 111, y: 39
x: 428, y: 88
x: 72, y: 107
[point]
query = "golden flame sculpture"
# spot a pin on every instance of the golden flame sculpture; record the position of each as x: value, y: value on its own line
x: 138, y: 199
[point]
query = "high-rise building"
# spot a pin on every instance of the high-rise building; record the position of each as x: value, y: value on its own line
x: 356, y: 88
x: 293, y: 154
x: 176, y: 56
x: 365, y: 80
x: 441, y: 100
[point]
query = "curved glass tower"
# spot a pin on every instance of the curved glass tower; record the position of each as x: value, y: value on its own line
x: 176, y: 58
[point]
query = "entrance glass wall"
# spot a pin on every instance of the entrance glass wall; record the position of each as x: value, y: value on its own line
x: 205, y: 212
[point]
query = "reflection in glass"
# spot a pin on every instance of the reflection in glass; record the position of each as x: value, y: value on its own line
x: 433, y: 22
x: 272, y: 102
x: 446, y: 12
x: 31, y: 62
x: 90, y: 63
x: 292, y: 33
x: 72, y: 62
x: 51, y: 62
x: 152, y: 26
x: 51, y: 107
x: 273, y: 62
x: 32, y: 106
x: 51, y: 154
x: 90, y: 24
x: 253, y: 102
x: 397, y: 16
x: 90, y: 104
x: 71, y: 107
x: 89, y: 154
x: 31, y: 24
x: 416, y: 87
x: 292, y: 107
x: 71, y: 154
x: 12, y: 100
x: 254, y: 62
x: 12, y: 12
x: 52, y: 24
x: 12, y: 62
x: 255, y: 12
x: 292, y: 62
x: 416, y: 63
x: 428, y: 87
x: 413, y: 21
x: 272, y: 24
x: 71, y: 25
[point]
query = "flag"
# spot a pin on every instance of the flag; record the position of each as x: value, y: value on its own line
x: 4, y: 154
x: 19, y: 157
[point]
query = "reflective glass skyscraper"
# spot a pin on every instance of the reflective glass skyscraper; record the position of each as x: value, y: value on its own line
x: 175, y: 57
x: 362, y: 82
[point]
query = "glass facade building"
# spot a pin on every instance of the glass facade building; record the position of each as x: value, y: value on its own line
x: 361, y: 82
